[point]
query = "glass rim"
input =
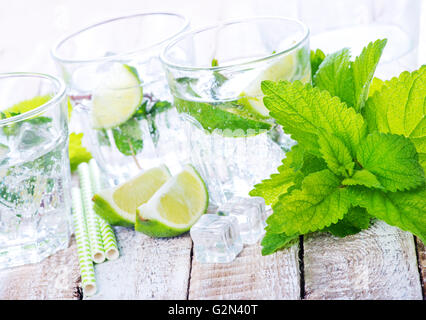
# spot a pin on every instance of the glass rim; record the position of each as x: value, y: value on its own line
x: 168, y: 63
x: 60, y: 94
x: 61, y: 41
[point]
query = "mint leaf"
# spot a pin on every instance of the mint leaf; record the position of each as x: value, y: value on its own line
x: 392, y: 159
x: 403, y: 209
x: 128, y: 137
x: 353, y: 222
x: 317, y: 57
x: 296, y: 166
x: 272, y: 242
x: 363, y: 69
x: 333, y: 73
x: 77, y: 152
x: 186, y: 84
x: 306, y: 113
x: 39, y: 120
x: 319, y: 203
x: 141, y: 111
x: 222, y: 116
x: 375, y: 86
x: 153, y: 131
x: 336, y: 155
x: 400, y: 108
x: 364, y: 178
x: 310, y: 164
x: 159, y: 107
x: 270, y: 189
x: 348, y: 80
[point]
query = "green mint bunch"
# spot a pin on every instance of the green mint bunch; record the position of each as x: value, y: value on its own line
x: 360, y: 153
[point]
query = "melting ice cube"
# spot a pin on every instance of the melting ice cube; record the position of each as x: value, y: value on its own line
x: 250, y: 213
x: 216, y: 239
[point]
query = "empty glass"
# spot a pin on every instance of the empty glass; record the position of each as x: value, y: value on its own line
x: 34, y: 168
x: 119, y: 92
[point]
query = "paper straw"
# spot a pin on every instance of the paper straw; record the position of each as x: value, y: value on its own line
x: 95, y: 238
x: 87, y: 271
x: 107, y: 233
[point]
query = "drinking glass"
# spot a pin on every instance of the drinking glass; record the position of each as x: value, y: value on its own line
x: 152, y: 133
x: 354, y: 23
x: 214, y: 75
x: 34, y: 168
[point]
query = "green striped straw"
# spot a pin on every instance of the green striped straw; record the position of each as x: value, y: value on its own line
x: 87, y: 271
x: 95, y: 238
x: 107, y: 233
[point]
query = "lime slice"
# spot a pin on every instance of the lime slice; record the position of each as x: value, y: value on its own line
x: 27, y: 105
x: 252, y: 96
x: 223, y: 116
x: 117, y: 98
x: 118, y: 205
x: 175, y: 207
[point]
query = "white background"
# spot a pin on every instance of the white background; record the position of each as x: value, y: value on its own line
x: 28, y: 28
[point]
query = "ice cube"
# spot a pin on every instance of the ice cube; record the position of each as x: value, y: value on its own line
x: 31, y: 136
x: 216, y: 239
x: 250, y: 213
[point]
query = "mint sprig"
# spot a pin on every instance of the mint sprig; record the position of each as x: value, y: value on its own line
x: 128, y: 136
x: 360, y: 152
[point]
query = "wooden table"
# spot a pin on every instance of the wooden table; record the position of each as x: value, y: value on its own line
x: 379, y: 263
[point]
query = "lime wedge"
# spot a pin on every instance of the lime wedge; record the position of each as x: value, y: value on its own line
x: 117, y: 98
x: 252, y: 96
x: 118, y: 205
x: 175, y: 207
x: 223, y: 116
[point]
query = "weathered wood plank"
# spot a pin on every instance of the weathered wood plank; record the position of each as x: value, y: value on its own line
x: 378, y: 263
x: 421, y: 252
x: 249, y: 276
x: 56, y: 277
x: 146, y: 269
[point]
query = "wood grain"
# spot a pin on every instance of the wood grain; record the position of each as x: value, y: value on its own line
x: 56, y: 277
x: 249, y: 276
x: 146, y: 269
x: 421, y: 253
x: 379, y: 263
